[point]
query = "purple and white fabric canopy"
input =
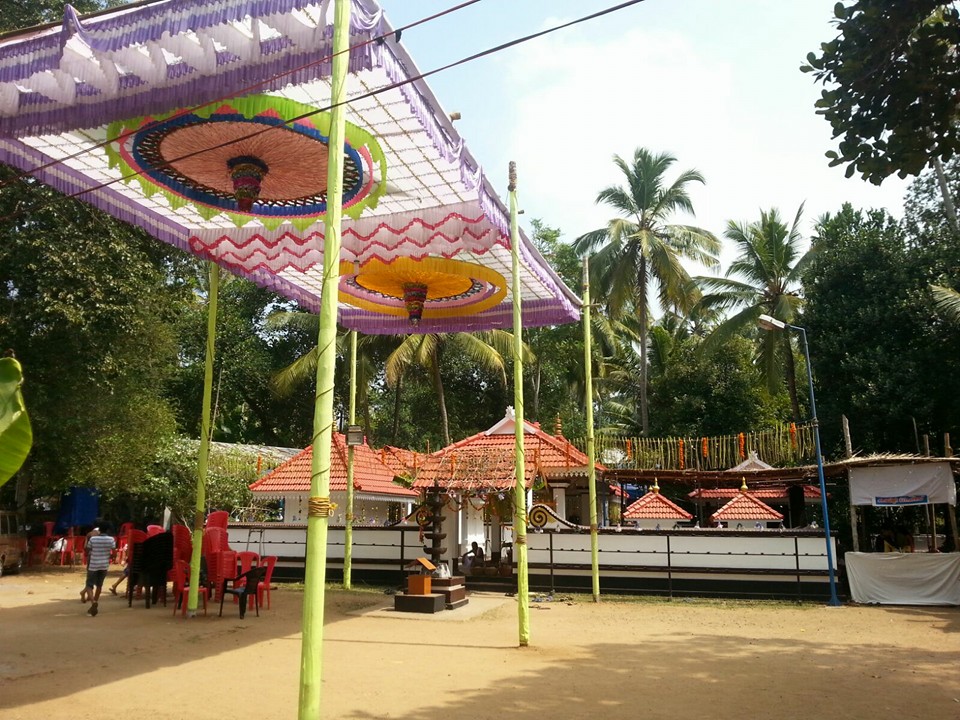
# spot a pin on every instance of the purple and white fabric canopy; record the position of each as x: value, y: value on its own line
x: 61, y: 87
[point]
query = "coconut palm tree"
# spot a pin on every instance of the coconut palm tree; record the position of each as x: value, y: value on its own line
x: 947, y: 301
x: 488, y: 349
x: 638, y: 251
x: 764, y: 279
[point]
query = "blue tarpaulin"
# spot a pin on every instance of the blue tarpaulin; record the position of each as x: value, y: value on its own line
x: 79, y: 506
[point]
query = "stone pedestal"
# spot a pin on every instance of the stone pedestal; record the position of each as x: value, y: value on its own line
x: 453, y: 589
x: 429, y: 604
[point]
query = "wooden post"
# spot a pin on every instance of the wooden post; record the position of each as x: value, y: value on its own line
x: 951, y: 511
x: 926, y: 445
x: 520, y: 519
x: 204, y: 455
x: 854, y: 519
x: 591, y: 450
x: 320, y: 508
x: 348, y: 525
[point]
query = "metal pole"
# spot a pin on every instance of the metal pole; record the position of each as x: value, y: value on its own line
x: 834, y: 600
x: 520, y: 517
x: 348, y: 526
x: 320, y: 508
x: 204, y: 457
x: 591, y: 449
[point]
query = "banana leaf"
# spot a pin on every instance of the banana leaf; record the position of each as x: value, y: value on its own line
x: 16, y: 436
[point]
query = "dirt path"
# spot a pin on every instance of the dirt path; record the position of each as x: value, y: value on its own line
x: 650, y: 660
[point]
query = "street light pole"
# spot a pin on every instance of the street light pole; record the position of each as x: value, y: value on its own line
x: 770, y: 323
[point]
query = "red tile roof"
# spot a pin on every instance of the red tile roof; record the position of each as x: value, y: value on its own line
x: 486, y: 460
x: 370, y: 474
x: 769, y: 493
x: 654, y: 506
x: 745, y: 507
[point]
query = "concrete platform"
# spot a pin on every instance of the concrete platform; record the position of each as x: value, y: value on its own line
x: 480, y: 603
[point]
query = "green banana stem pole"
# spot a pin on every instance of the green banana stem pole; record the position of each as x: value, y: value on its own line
x: 591, y: 448
x: 204, y: 458
x: 320, y: 508
x: 520, y: 518
x: 348, y: 529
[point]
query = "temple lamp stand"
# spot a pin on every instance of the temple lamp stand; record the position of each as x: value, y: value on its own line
x: 770, y: 323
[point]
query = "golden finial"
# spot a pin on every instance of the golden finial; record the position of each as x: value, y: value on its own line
x: 656, y: 487
x: 743, y: 486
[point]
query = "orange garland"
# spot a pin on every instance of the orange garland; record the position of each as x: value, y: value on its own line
x: 680, y: 456
x: 742, y: 441
x: 705, y: 447
x: 793, y: 435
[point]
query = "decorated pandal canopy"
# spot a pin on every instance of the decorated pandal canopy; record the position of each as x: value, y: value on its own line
x: 206, y: 124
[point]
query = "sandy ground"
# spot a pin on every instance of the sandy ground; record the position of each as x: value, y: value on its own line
x: 655, y: 659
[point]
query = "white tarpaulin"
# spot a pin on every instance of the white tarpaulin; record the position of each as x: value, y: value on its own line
x: 899, y: 485
x: 904, y: 578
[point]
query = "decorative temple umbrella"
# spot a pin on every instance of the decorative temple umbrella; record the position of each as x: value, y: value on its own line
x: 85, y: 104
x: 260, y: 156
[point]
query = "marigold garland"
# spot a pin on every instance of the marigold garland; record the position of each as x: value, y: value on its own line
x: 742, y: 442
x: 680, y: 456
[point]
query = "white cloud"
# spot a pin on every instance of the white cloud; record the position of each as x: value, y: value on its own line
x: 573, y: 101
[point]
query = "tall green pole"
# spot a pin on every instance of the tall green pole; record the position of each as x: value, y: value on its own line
x: 320, y: 507
x: 520, y: 518
x: 202, y: 462
x: 348, y: 528
x: 591, y: 449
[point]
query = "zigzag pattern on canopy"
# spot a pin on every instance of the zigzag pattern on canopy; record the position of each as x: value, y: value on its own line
x: 60, y: 87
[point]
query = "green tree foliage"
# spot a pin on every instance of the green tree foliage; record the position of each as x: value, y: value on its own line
x: 763, y: 279
x: 555, y: 376
x: 696, y: 392
x: 638, y: 251
x: 170, y: 481
x: 87, y: 305
x: 892, y: 86
x: 702, y: 394
x: 881, y: 355
x: 249, y: 353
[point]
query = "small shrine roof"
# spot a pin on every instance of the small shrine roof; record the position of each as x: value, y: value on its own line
x: 654, y: 506
x: 745, y: 507
x: 370, y: 474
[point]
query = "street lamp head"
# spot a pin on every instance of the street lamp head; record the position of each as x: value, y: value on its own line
x: 768, y: 322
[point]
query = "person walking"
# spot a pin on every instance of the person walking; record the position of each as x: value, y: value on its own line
x: 99, y: 547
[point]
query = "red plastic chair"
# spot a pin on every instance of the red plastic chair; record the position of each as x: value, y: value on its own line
x: 246, y: 559
x: 75, y: 545
x: 181, y: 587
x: 120, y: 553
x: 268, y: 562
x: 154, y: 530
x: 217, y: 519
x: 226, y: 561
x: 39, y: 545
x: 182, y: 542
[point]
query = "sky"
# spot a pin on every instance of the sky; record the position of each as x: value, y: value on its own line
x: 715, y: 83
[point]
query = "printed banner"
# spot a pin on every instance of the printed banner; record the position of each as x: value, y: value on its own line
x: 900, y: 500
